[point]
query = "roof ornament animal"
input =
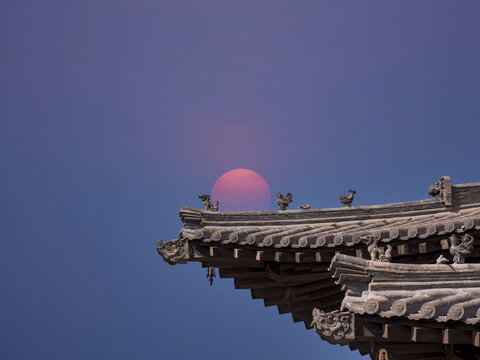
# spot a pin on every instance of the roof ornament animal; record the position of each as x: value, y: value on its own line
x: 436, y: 190
x: 442, y: 190
x: 304, y: 206
x: 207, y: 203
x: 283, y: 201
x: 376, y: 253
x: 461, y: 248
x: 347, y: 200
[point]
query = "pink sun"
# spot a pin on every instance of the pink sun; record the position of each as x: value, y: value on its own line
x: 241, y: 190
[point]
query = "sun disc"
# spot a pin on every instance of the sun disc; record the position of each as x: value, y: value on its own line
x: 241, y: 190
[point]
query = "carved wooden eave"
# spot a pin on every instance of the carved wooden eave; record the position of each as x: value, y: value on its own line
x: 283, y: 257
x: 392, y: 304
x: 429, y: 292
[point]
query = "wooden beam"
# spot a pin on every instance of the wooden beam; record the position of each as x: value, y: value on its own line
x: 289, y: 276
x: 476, y: 338
x: 242, y: 273
x: 414, y: 348
x: 302, y: 267
x: 250, y: 283
x: 324, y: 256
x: 280, y: 289
x: 231, y: 264
x: 304, y: 257
x: 360, y: 254
x: 403, y: 249
x: 314, y: 285
x: 316, y: 267
x: 364, y: 350
x: 265, y: 255
x: 307, y: 276
x: 198, y: 252
x: 429, y: 246
x: 426, y: 335
x: 426, y: 356
x: 332, y: 290
x: 314, y: 295
x: 308, y: 325
x: 281, y: 256
x: 396, y: 333
x: 305, y: 315
x: 221, y: 252
x: 269, y: 292
x: 423, y: 248
x: 245, y: 254
x: 369, y: 330
x: 310, y: 305
x: 455, y: 336
x: 286, y: 266
x: 267, y: 283
x: 444, y: 244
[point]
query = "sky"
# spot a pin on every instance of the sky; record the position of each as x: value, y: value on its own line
x: 115, y: 113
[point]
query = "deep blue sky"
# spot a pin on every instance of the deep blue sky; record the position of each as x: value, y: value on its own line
x: 113, y: 114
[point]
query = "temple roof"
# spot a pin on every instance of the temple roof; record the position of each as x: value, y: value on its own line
x: 300, y: 230
x: 311, y: 263
x: 326, y: 228
x: 417, y: 311
x: 441, y: 292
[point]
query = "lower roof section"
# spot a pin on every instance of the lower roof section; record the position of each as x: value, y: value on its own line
x: 426, y: 292
x: 382, y: 339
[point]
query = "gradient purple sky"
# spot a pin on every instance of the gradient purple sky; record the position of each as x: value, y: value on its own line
x: 115, y: 113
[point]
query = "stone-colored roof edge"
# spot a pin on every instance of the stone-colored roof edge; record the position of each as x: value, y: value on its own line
x: 334, y: 235
x: 325, y: 214
x: 446, y: 196
x: 386, y: 271
x: 417, y: 292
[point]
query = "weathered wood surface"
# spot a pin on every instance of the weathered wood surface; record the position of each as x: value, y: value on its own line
x: 438, y: 292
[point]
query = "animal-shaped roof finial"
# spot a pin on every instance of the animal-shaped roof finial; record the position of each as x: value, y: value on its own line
x: 283, y: 201
x: 207, y: 203
x: 347, y: 200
